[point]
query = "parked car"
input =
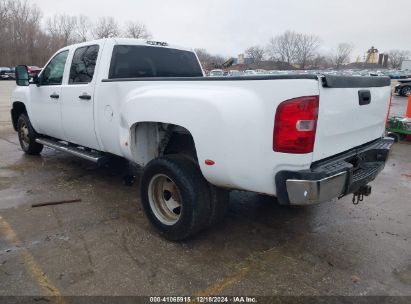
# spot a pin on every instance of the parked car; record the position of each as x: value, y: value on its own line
x: 196, y: 138
x: 11, y: 74
x: 235, y: 73
x: 396, y: 74
x: 250, y: 72
x: 403, y: 88
x: 261, y: 72
x: 33, y: 70
x: 216, y: 73
x: 4, y: 73
x: 376, y: 74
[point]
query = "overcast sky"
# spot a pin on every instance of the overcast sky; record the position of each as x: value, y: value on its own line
x: 228, y: 27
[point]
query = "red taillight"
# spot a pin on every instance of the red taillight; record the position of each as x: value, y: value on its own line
x: 295, y: 125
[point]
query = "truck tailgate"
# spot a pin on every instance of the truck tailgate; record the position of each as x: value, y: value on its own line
x: 347, y: 117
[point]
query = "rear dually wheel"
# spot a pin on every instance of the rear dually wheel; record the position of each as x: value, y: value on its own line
x: 175, y: 197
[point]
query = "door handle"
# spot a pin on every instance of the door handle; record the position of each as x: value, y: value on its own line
x: 55, y: 96
x: 85, y: 97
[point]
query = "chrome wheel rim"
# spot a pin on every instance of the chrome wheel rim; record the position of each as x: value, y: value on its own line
x: 165, y: 199
x: 24, y: 135
x: 407, y: 91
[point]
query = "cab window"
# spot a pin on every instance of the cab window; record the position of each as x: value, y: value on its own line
x: 53, y: 72
x: 130, y: 61
x: 83, y: 64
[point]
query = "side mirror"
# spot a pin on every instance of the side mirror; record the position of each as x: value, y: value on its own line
x: 22, y: 75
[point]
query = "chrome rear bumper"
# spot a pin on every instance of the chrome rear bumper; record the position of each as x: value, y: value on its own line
x: 334, y: 177
x: 308, y: 192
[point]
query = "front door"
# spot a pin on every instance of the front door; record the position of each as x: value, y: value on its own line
x: 77, y: 106
x: 45, y: 114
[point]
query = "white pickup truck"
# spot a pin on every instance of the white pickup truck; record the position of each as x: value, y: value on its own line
x: 304, y: 139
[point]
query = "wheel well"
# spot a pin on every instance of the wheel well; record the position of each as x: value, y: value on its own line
x: 150, y: 140
x: 180, y: 143
x: 18, y: 109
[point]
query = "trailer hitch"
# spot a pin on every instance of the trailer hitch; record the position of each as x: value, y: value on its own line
x: 358, y: 196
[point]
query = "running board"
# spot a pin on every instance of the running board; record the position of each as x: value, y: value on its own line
x: 90, y: 155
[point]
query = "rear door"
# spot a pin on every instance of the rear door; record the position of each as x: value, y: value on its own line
x: 77, y: 106
x: 352, y: 112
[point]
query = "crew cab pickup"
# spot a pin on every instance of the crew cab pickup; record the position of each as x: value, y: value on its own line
x: 304, y: 139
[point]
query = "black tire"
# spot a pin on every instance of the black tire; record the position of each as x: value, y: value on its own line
x: 27, y: 136
x: 395, y: 136
x: 190, y: 190
x: 220, y: 199
x: 405, y: 91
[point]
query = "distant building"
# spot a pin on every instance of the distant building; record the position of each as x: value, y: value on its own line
x: 383, y: 60
x: 372, y: 56
x: 241, y: 59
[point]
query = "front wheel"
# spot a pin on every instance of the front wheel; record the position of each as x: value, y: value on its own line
x: 27, y: 136
x: 175, y: 197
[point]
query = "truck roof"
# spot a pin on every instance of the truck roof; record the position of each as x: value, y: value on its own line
x: 133, y: 41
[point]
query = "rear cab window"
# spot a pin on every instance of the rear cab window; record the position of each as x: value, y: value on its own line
x: 135, y: 61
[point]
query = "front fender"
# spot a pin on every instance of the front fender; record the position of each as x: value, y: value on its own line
x: 22, y: 95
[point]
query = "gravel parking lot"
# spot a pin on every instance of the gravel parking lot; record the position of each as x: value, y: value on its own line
x: 104, y: 245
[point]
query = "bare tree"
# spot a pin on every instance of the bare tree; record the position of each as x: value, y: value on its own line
x: 320, y: 61
x: 83, y: 28
x: 203, y: 55
x: 62, y: 27
x: 136, y: 30
x: 23, y: 22
x: 256, y: 54
x: 307, y: 45
x: 106, y: 27
x: 343, y: 54
x: 396, y: 57
x: 4, y: 21
x: 284, y: 47
x: 4, y: 14
x: 209, y: 61
x: 24, y: 41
